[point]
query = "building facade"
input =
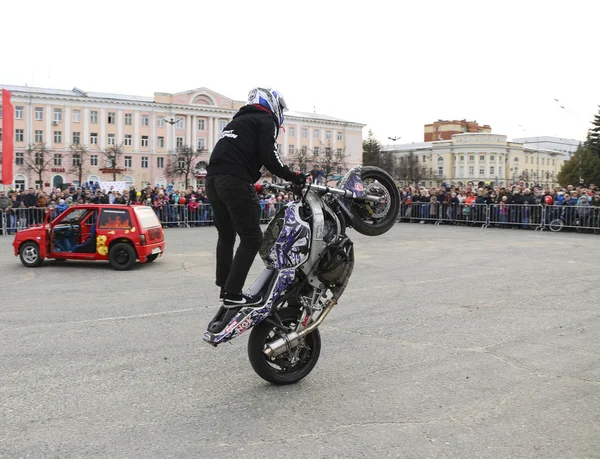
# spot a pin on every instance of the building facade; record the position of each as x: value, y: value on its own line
x: 477, y: 157
x: 149, y: 130
x: 562, y: 145
x: 444, y: 130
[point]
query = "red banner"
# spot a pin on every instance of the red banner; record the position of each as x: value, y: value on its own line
x: 8, y: 133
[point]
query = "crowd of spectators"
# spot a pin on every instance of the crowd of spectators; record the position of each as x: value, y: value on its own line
x: 465, y: 204
x: 516, y: 205
x: 174, y: 207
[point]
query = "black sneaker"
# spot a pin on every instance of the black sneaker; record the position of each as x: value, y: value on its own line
x: 221, y: 295
x: 235, y: 300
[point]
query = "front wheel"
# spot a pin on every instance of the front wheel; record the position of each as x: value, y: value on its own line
x: 30, y: 254
x: 287, y: 368
x: 376, y: 218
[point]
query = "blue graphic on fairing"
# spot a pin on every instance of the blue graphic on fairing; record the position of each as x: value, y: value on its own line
x: 352, y: 182
x: 289, y: 251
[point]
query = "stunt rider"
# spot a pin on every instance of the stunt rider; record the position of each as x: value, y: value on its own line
x: 246, y: 144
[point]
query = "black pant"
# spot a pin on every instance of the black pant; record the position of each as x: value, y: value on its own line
x: 236, y: 209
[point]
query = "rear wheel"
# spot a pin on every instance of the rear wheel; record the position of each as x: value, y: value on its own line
x: 122, y: 256
x: 289, y: 367
x: 30, y: 256
x: 556, y: 225
x: 376, y: 218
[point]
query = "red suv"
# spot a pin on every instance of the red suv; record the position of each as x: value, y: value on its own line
x: 120, y: 234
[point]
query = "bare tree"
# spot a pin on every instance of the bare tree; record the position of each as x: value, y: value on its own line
x: 112, y: 155
x: 327, y: 165
x: 79, y: 156
x: 411, y: 172
x: 303, y: 159
x: 183, y: 162
x: 38, y: 158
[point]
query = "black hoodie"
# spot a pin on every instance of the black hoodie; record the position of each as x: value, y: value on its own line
x: 246, y: 144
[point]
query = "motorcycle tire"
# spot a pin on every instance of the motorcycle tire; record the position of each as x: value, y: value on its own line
x: 362, y: 210
x: 282, y: 370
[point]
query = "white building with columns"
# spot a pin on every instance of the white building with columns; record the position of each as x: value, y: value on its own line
x: 476, y: 157
x: 149, y: 129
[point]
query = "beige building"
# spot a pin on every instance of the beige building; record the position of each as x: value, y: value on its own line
x: 150, y: 129
x: 477, y: 157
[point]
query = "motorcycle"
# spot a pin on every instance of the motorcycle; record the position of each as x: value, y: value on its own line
x: 309, y: 260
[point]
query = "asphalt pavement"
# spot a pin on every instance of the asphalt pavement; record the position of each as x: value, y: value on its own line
x: 452, y: 342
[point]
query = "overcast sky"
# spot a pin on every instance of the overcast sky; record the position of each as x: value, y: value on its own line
x: 392, y: 65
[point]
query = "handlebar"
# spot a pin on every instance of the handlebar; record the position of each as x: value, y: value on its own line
x: 325, y: 189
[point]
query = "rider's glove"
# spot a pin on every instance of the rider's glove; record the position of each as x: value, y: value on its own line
x: 300, y: 179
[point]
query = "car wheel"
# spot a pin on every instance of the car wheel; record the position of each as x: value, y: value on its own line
x: 122, y: 256
x: 30, y: 254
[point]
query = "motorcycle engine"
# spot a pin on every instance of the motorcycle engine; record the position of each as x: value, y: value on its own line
x: 336, y: 263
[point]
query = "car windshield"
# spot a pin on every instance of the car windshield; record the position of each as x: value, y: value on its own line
x: 147, y: 217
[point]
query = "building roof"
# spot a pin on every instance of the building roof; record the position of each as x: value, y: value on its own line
x: 75, y: 92
x: 407, y: 146
x: 317, y: 116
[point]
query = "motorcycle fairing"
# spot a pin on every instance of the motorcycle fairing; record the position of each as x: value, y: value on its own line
x: 353, y: 182
x: 288, y: 252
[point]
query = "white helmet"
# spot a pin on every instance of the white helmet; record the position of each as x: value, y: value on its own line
x: 271, y: 99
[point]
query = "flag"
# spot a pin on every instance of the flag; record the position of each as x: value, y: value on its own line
x: 8, y: 133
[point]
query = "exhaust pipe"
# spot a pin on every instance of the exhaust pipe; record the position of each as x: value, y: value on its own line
x: 290, y: 341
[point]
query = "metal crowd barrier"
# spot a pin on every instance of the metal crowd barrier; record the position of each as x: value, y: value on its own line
x: 538, y: 217
x: 529, y: 216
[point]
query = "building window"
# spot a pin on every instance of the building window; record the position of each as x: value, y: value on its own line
x: 111, y: 139
x: 18, y: 112
x: 160, y: 141
x: 527, y: 160
x: 471, y: 171
x: 339, y: 152
x: 160, y: 122
x: 19, y: 158
x: 57, y: 159
x: 76, y: 116
x: 180, y: 123
x: 327, y: 135
x: 128, y: 119
x: 93, y: 138
x: 93, y: 160
x: 316, y: 133
x: 492, y: 170
x: 57, y: 115
x: 471, y: 157
x: 201, y: 144
x: 440, y: 171
x: 39, y: 136
x: 144, y: 141
x: 492, y: 158
x: 76, y: 138
x: 145, y: 120
x: 179, y: 142
x: 304, y: 149
x: 39, y: 113
x: 543, y: 162
x: 499, y: 170
x: 201, y: 125
x: 481, y: 158
x: 38, y: 159
x: 76, y: 160
x: 112, y: 118
x: 328, y: 152
x: 516, y: 160
x: 222, y: 125
x: 290, y: 149
x: 316, y: 151
x: 292, y: 132
x: 481, y: 171
x: 127, y: 161
x: 462, y: 158
x: 304, y: 133
x: 93, y: 117
x: 160, y: 162
x: 127, y: 140
x: 57, y: 136
x: 339, y: 135
x: 144, y: 162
